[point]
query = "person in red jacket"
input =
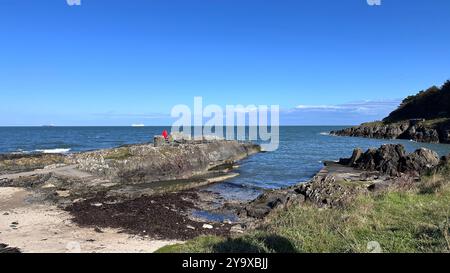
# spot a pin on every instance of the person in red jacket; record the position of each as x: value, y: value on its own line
x: 165, y: 134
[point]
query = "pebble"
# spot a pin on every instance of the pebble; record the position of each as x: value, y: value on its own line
x: 207, y: 226
x: 63, y: 193
x: 236, y: 229
x: 98, y: 230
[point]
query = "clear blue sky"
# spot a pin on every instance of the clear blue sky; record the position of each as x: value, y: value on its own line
x: 111, y: 62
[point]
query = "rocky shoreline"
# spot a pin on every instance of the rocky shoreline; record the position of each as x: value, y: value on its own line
x: 145, y: 190
x: 433, y: 131
x: 339, y: 183
x: 118, y: 192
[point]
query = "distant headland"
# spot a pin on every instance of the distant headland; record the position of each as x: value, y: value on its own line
x: 424, y: 117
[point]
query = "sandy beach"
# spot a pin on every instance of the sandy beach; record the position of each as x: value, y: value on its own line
x: 46, y: 228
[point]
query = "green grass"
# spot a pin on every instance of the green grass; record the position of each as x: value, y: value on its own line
x: 399, y: 221
x: 373, y: 123
x: 434, y: 122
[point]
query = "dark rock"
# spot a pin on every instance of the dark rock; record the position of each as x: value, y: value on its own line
x: 257, y: 211
x: 416, y: 129
x: 379, y: 186
x: 6, y: 249
x: 385, y: 159
x: 276, y: 199
x: 265, y: 203
x: 357, y: 153
x: 419, y: 162
x: 445, y: 159
x: 392, y: 160
x: 294, y: 200
x: 98, y: 230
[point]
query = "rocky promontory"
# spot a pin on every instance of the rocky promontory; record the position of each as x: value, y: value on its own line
x: 420, y: 130
x: 424, y: 117
x: 147, y: 163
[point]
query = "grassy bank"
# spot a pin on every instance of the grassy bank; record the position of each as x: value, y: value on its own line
x: 413, y: 220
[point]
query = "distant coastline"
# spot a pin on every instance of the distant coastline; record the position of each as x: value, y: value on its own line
x: 424, y: 117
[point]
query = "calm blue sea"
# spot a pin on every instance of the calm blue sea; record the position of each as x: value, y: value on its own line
x: 300, y: 155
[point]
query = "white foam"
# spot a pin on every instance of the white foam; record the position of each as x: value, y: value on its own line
x: 54, y: 151
x: 325, y: 133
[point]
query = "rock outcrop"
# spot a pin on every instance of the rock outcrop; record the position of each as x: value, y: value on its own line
x: 392, y: 160
x: 416, y: 130
x: 146, y: 163
x: 326, y: 189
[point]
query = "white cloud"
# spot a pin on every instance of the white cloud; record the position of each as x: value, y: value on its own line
x: 366, y: 106
x: 318, y: 107
x: 339, y: 114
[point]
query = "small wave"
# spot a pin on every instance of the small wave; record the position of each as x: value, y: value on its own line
x: 325, y: 133
x: 53, y: 151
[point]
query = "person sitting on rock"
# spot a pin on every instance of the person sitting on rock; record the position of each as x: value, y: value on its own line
x: 165, y: 134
